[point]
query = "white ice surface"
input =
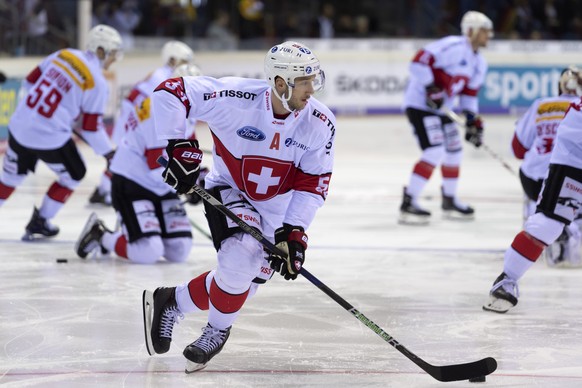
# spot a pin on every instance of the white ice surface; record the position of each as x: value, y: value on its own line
x: 80, y: 324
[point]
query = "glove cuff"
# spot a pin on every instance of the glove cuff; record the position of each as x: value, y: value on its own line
x: 291, y: 233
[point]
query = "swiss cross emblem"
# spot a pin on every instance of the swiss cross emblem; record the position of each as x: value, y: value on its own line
x: 264, y: 177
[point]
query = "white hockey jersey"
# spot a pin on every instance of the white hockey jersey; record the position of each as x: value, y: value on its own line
x: 66, y: 84
x: 138, y: 150
x: 451, y: 64
x: 142, y: 90
x: 568, y: 143
x: 283, y: 166
x: 535, y: 133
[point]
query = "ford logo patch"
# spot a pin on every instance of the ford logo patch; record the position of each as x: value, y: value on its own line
x: 251, y: 133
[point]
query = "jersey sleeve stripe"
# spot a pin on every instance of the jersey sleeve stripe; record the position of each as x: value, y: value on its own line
x: 90, y: 122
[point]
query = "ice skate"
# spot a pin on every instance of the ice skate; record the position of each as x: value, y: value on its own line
x: 565, y: 251
x: 39, y: 226
x: 503, y: 295
x: 160, y: 313
x: 90, y: 237
x: 456, y: 210
x: 411, y: 213
x: 555, y: 253
x: 201, y: 351
x: 99, y: 198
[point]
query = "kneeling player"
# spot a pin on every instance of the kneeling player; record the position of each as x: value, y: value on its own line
x: 154, y: 222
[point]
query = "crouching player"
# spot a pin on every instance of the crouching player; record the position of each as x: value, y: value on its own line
x: 153, y: 221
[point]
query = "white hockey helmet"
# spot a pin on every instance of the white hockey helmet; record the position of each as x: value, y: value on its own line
x: 472, y: 21
x: 177, y: 50
x: 570, y: 81
x: 290, y: 60
x: 105, y: 37
x: 186, y: 70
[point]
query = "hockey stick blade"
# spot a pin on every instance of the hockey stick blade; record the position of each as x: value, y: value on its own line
x: 444, y: 373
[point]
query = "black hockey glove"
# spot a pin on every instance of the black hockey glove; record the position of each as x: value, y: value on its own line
x: 474, y: 129
x: 183, y: 166
x: 435, y: 96
x: 193, y: 198
x: 293, y: 241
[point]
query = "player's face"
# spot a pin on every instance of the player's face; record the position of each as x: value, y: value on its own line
x: 302, y: 91
x: 481, y: 38
x: 110, y: 58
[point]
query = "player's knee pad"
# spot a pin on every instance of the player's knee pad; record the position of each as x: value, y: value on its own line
x: 11, y: 179
x: 239, y: 261
x: 453, y: 139
x: 453, y: 158
x: 433, y: 155
x: 146, y: 250
x: 177, y: 249
x: 176, y: 222
x: 543, y: 228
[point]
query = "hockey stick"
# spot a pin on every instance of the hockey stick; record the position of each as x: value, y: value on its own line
x: 443, y: 373
x: 457, y: 119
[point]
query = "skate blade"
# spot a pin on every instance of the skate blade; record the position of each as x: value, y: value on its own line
x: 452, y: 215
x: 411, y: 219
x: 497, y: 305
x: 86, y: 228
x: 147, y: 308
x: 192, y: 367
x: 31, y: 237
x: 28, y: 237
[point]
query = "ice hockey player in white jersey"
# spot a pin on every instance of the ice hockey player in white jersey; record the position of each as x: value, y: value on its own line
x: 533, y: 141
x: 67, y: 84
x: 153, y: 220
x: 443, y: 71
x: 557, y: 206
x: 272, y: 163
x: 174, y: 53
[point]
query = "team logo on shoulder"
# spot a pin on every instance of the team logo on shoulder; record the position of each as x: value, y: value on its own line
x: 251, y: 133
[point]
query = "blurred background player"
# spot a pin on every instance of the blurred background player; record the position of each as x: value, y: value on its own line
x: 558, y: 204
x: 66, y: 84
x: 273, y: 185
x: 174, y: 54
x: 153, y: 221
x: 533, y: 142
x: 446, y: 69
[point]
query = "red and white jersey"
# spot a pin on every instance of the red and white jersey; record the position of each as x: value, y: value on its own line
x: 535, y: 133
x: 142, y: 90
x: 568, y: 144
x: 451, y: 64
x: 283, y: 166
x: 138, y: 150
x: 66, y: 84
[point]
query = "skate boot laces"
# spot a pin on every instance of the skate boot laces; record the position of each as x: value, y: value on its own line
x: 509, y: 286
x: 168, y: 319
x: 210, y: 339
